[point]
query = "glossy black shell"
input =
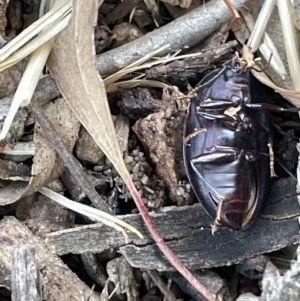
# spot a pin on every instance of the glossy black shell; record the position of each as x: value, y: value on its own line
x: 243, y: 180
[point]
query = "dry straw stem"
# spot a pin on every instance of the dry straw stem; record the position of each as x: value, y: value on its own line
x: 256, y: 36
x: 185, y: 31
x: 262, y: 40
x: 92, y: 213
x: 33, y: 69
x: 291, y: 48
x: 129, y: 84
x: 13, y: 52
x: 290, y: 41
x: 141, y: 64
x: 20, y: 149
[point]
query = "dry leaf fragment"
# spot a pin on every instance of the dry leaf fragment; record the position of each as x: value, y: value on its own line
x: 276, y: 287
x: 88, y: 150
x: 46, y: 164
x: 121, y: 274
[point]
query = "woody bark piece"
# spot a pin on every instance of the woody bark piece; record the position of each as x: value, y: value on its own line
x: 59, y: 283
x: 26, y: 278
x: 188, y: 232
x: 183, y: 32
x: 212, y: 281
x: 223, y: 249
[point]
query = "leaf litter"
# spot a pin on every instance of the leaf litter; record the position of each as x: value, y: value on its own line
x: 72, y: 64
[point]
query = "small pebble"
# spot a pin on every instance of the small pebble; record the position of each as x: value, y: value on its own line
x: 135, y: 152
x: 148, y: 189
x: 128, y: 159
x: 145, y: 179
x: 180, y: 191
x: 151, y: 204
x: 99, y: 168
x: 136, y: 168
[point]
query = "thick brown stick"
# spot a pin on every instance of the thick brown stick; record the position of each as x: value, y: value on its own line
x: 184, y: 32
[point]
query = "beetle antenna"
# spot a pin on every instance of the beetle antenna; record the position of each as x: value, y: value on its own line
x: 263, y: 68
x: 282, y: 165
x: 193, y: 92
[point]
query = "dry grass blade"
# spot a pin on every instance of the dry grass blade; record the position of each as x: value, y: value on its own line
x: 266, y: 45
x: 35, y: 43
x: 139, y: 64
x: 93, y: 213
x: 260, y: 25
x: 72, y: 64
x: 133, y: 67
x: 32, y: 73
x: 37, y: 27
x: 20, y: 149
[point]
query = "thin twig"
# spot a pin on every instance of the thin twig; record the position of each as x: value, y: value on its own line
x: 182, y: 33
x: 69, y: 160
x: 168, y: 294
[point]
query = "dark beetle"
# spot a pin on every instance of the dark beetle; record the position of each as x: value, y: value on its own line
x: 226, y: 138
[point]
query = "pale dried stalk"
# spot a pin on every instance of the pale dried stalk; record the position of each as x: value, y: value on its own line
x: 20, y: 149
x: 29, y: 79
x: 266, y: 46
x: 291, y: 46
x: 92, y: 213
x: 26, y: 35
x: 139, y: 64
x: 259, y: 29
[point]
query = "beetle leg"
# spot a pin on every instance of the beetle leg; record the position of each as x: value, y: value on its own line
x: 216, y: 224
x: 219, y: 155
x: 235, y: 15
x: 218, y: 104
x: 270, y: 107
x: 217, y: 116
x: 194, y: 134
x: 271, y: 153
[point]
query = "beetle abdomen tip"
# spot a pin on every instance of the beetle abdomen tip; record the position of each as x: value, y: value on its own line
x: 233, y: 213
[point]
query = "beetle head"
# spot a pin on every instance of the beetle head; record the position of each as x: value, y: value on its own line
x: 236, y: 72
